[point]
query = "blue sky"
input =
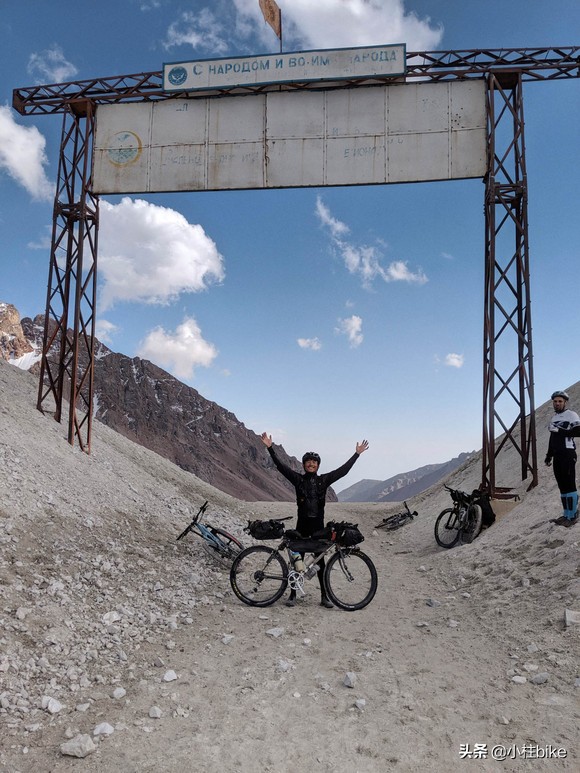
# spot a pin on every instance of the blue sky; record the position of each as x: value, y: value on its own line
x: 248, y: 296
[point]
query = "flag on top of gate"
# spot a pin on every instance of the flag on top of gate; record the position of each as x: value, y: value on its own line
x: 272, y: 15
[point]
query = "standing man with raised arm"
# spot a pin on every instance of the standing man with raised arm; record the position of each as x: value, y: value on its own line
x: 564, y: 426
x: 311, y: 491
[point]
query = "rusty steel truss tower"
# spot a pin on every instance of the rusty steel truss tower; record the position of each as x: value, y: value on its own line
x: 67, y: 364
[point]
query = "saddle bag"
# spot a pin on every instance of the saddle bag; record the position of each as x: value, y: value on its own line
x: 270, y: 529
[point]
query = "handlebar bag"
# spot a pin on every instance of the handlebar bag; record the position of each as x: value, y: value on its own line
x: 346, y: 534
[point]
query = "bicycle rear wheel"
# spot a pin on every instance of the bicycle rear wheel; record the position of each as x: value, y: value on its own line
x: 473, y: 524
x: 259, y: 576
x: 350, y: 579
x: 447, y: 528
x: 225, y: 548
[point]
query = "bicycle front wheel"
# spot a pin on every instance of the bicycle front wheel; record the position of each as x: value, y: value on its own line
x: 447, y: 528
x: 259, y: 576
x: 350, y: 579
x: 225, y: 548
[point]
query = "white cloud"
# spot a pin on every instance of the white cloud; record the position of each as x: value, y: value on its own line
x: 306, y: 24
x: 364, y: 261
x: 180, y: 351
x: 151, y: 254
x: 351, y: 328
x: 336, y: 227
x: 314, y: 344
x: 454, y: 360
x: 345, y: 23
x: 398, y: 272
x: 105, y: 330
x: 51, y: 66
x: 22, y: 156
x: 202, y: 31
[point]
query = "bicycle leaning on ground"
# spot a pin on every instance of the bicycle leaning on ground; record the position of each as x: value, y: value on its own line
x: 260, y: 574
x: 397, y: 520
x: 462, y: 522
x: 217, y: 543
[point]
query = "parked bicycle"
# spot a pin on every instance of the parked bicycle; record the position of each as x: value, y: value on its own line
x: 397, y: 520
x: 460, y: 523
x: 260, y: 574
x: 217, y: 543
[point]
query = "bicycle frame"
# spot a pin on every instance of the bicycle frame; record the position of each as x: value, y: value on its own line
x: 216, y: 542
x: 195, y: 521
x: 206, y: 534
x: 296, y: 579
x: 398, y: 519
x: 461, y: 503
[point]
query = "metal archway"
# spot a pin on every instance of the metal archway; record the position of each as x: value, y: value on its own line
x: 67, y: 364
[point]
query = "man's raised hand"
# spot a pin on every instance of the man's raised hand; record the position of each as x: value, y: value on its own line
x: 362, y: 446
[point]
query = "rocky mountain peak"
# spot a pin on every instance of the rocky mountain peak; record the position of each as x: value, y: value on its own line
x: 13, y: 342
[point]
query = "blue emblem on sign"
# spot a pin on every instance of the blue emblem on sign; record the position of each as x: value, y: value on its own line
x: 124, y: 148
x: 177, y: 76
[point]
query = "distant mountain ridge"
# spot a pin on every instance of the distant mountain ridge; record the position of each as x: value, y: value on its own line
x: 402, y: 486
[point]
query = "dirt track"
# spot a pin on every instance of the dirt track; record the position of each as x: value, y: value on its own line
x: 429, y: 677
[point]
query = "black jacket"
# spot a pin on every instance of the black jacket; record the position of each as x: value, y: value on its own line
x: 311, y: 491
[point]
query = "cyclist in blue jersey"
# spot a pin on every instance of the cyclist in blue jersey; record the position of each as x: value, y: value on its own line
x: 311, y: 491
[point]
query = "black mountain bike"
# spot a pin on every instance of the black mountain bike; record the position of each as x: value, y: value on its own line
x: 260, y: 574
x: 397, y: 520
x: 460, y: 523
x: 217, y: 543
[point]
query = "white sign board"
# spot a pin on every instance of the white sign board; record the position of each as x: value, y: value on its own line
x: 352, y: 136
x: 297, y: 67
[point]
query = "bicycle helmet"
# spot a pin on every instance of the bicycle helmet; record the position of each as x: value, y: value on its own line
x: 311, y: 455
x: 560, y: 394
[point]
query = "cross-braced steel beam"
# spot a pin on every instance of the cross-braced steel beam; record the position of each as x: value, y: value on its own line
x: 508, y: 405
x: 68, y: 354
x: 534, y: 64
